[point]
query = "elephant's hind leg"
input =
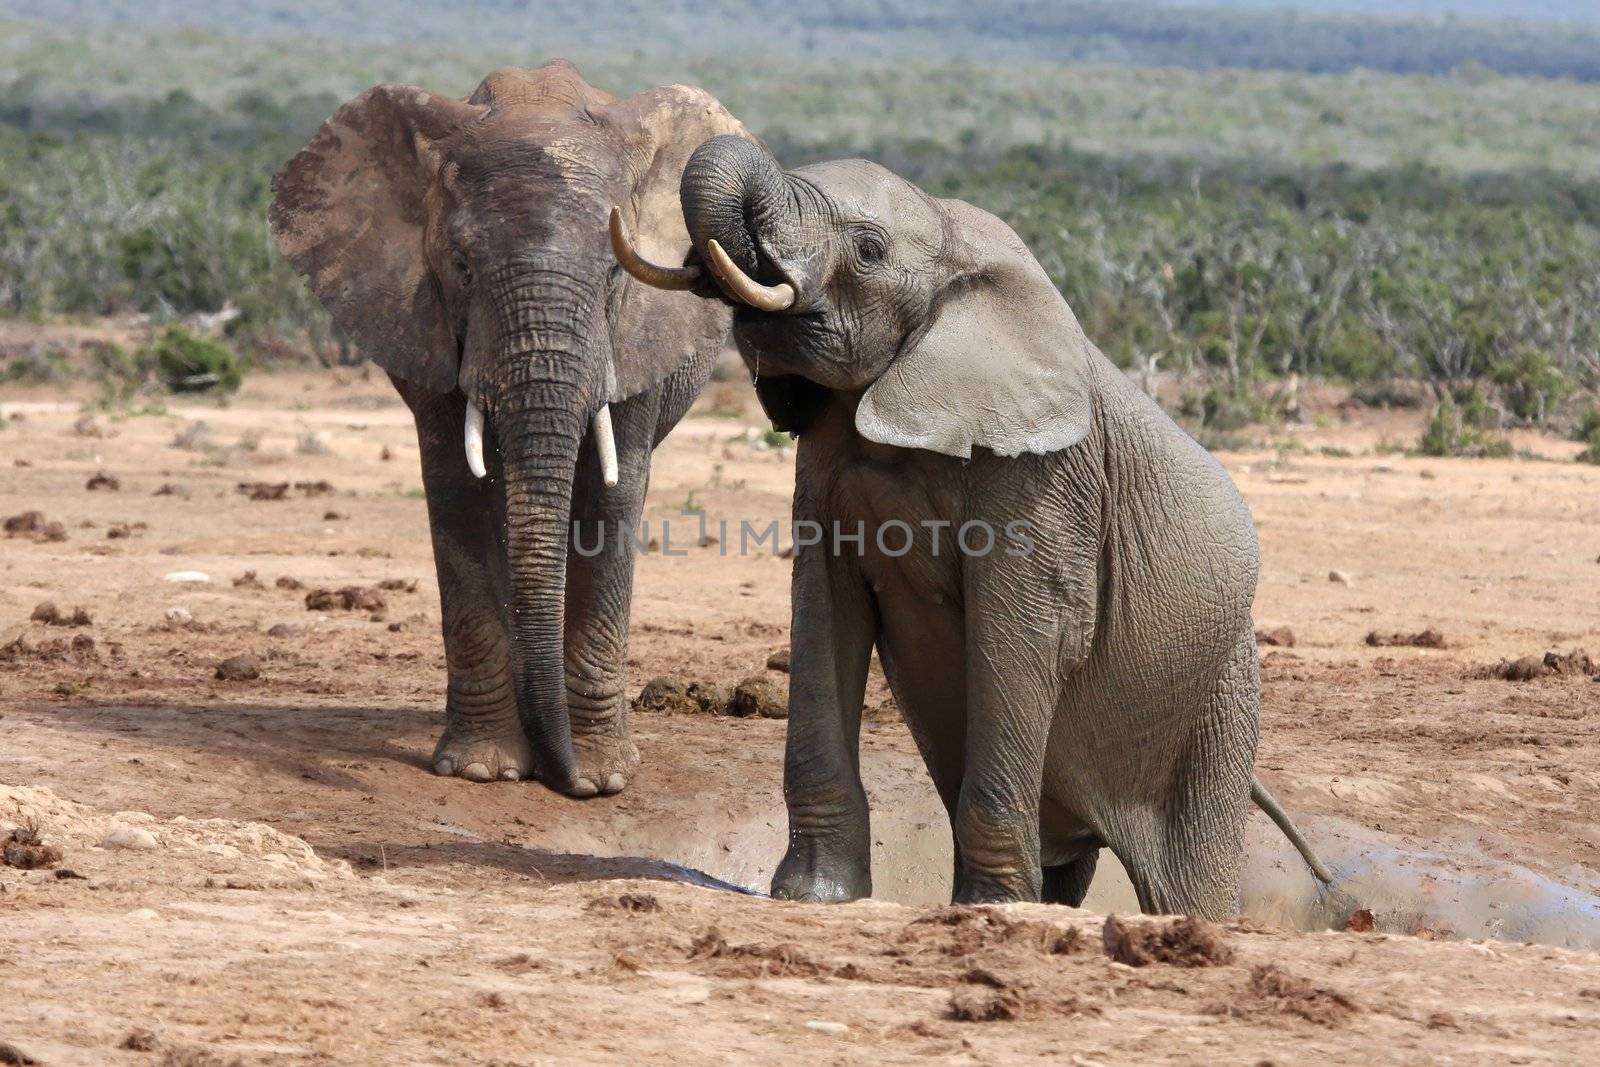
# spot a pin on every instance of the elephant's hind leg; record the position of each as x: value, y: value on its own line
x: 483, y: 739
x: 1185, y: 858
x: 1068, y: 883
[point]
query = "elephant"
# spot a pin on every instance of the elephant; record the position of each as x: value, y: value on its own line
x: 1056, y: 577
x: 463, y: 245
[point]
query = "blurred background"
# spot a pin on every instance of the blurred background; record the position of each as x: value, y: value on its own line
x: 1401, y: 197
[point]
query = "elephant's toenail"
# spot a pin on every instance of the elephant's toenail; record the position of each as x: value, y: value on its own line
x: 510, y: 774
x: 582, y: 787
x: 444, y: 768
x: 476, y: 772
x: 615, y: 783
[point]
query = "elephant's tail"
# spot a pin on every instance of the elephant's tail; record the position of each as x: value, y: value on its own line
x: 1269, y: 804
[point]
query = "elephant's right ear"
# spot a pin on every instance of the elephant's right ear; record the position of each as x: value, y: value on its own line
x: 349, y: 212
x: 1000, y: 364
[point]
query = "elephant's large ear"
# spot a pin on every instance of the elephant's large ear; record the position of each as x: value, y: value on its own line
x: 1000, y: 364
x: 348, y: 212
x: 655, y: 331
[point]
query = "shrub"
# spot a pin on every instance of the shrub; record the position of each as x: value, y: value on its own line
x: 1532, y: 384
x: 1459, y: 431
x: 188, y: 363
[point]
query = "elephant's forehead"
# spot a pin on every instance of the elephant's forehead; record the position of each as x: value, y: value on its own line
x: 870, y: 191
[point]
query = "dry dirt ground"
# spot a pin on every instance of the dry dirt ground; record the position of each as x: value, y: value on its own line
x: 265, y: 870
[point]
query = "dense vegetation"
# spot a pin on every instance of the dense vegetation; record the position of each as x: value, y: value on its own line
x: 1236, y: 225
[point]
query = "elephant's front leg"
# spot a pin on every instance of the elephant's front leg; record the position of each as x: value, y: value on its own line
x: 483, y: 738
x: 600, y: 560
x: 1015, y: 660
x: 834, y: 621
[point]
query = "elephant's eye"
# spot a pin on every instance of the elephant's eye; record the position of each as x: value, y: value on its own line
x: 463, y: 268
x: 870, y: 248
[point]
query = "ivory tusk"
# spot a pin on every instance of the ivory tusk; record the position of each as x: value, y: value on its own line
x: 474, y: 441
x: 762, y: 297
x: 606, y: 444
x: 651, y: 274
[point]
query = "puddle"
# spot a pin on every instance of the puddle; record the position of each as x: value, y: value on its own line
x: 1452, y: 891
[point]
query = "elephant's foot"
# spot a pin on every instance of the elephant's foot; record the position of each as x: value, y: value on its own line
x: 505, y: 758
x: 605, y: 762
x: 811, y: 872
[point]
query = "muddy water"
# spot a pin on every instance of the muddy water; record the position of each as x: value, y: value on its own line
x: 1450, y: 891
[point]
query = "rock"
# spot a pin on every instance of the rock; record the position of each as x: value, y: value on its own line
x: 264, y: 490
x: 281, y: 629
x: 130, y: 837
x: 143, y: 914
x: 1278, y: 637
x: 189, y: 577
x: 1339, y: 578
x: 47, y: 613
x: 350, y: 598
x: 824, y: 1026
x: 758, y: 696
x: 102, y: 480
x: 180, y: 616
x: 779, y: 661
x: 1429, y: 638
x: 239, y: 669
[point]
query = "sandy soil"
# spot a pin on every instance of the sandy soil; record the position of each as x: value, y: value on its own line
x: 294, y: 885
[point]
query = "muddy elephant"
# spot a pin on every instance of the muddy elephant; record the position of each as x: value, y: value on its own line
x: 1058, y: 579
x: 463, y: 244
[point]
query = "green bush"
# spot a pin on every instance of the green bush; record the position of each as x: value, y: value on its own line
x: 1532, y: 385
x: 1457, y: 431
x: 1587, y: 428
x: 188, y: 363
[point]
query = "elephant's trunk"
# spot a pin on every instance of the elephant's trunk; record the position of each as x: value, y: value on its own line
x: 549, y: 392
x: 733, y: 191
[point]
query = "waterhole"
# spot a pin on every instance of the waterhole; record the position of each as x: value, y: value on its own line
x: 1450, y: 890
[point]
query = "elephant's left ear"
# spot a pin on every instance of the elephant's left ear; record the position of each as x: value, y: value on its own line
x: 1000, y: 364
x: 655, y: 331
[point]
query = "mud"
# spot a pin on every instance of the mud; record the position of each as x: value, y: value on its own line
x: 1185, y: 942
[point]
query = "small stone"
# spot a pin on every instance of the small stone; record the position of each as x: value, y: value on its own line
x: 239, y: 669
x: 180, y: 616
x: 779, y: 661
x: 130, y: 837
x: 825, y: 1026
x: 102, y: 480
x: 195, y: 577
x: 1338, y: 578
x: 143, y: 914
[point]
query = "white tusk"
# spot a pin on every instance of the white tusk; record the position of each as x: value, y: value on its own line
x: 475, y: 441
x: 606, y: 445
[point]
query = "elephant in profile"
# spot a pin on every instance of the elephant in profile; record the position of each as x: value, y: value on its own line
x: 1058, y: 579
x: 463, y: 244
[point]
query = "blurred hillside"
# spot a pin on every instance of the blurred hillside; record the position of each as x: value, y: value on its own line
x: 1407, y: 36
